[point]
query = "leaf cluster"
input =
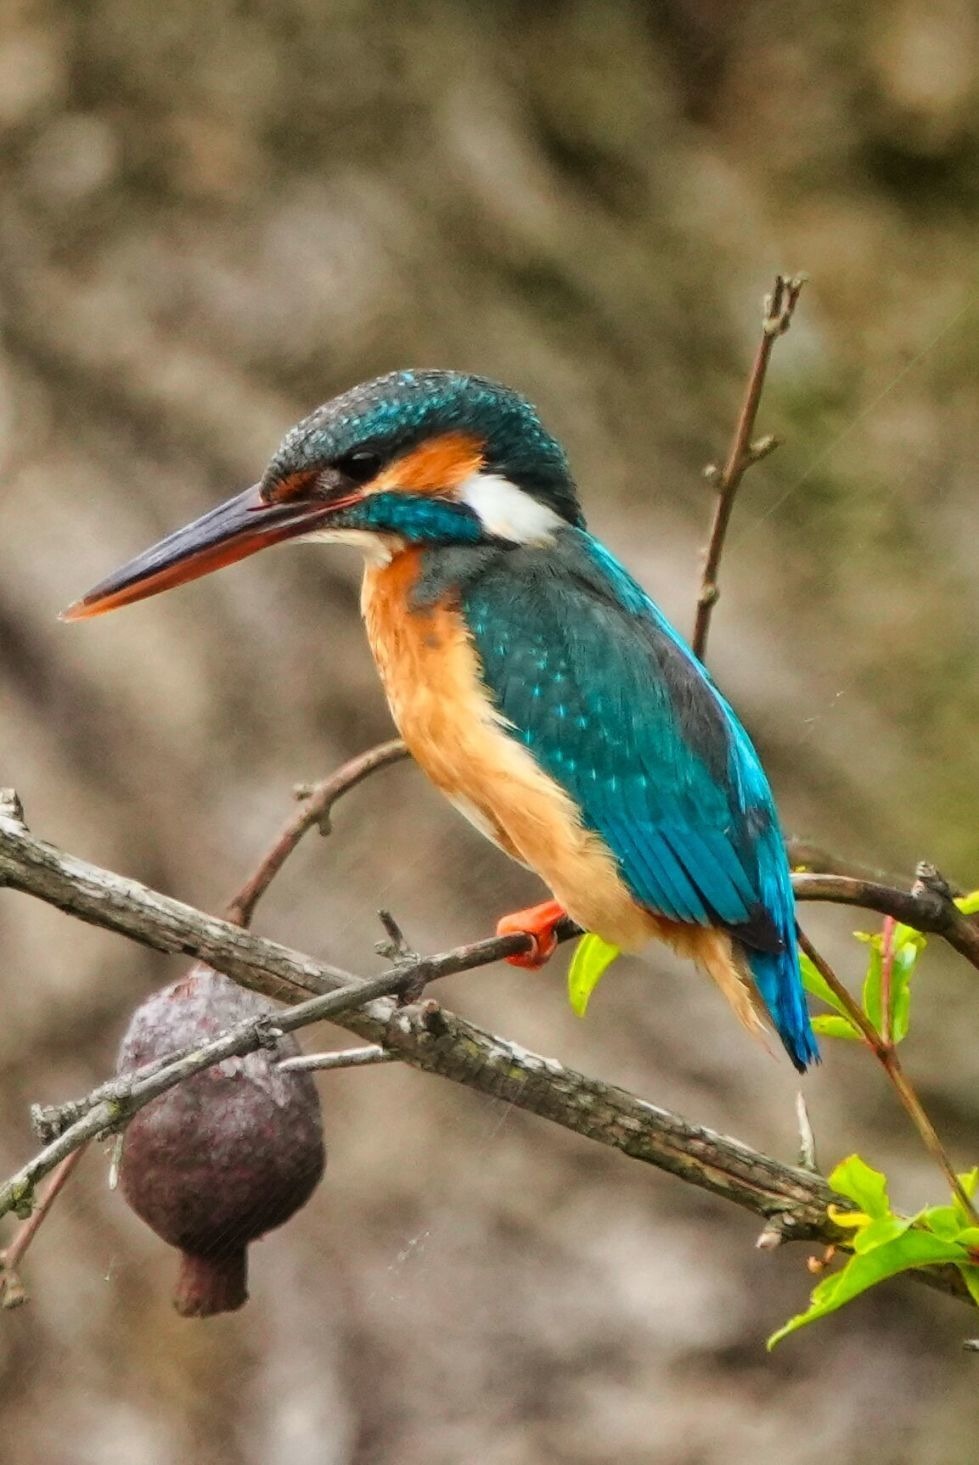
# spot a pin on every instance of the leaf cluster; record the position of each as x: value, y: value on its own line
x: 885, y: 1243
x: 881, y: 1241
x: 886, y: 1004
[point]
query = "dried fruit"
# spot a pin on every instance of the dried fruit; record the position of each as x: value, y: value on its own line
x: 225, y: 1156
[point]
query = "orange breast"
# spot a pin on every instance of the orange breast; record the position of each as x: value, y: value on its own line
x: 438, y: 700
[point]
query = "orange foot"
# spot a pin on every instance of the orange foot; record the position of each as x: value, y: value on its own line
x: 538, y: 922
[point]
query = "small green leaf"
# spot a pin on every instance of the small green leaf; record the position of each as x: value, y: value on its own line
x: 944, y: 1221
x: 815, y: 984
x: 970, y: 1275
x: 908, y: 946
x: 831, y: 1025
x: 900, y: 1012
x: 908, y: 936
x: 859, y: 1182
x: 911, y: 1249
x: 969, y: 904
x: 879, y: 1232
x: 969, y: 1180
x: 591, y: 960
x: 872, y: 982
x: 951, y: 1223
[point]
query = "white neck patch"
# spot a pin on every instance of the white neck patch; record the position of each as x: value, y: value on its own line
x: 377, y: 549
x: 506, y: 510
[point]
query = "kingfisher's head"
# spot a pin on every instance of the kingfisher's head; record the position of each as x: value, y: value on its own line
x: 415, y: 457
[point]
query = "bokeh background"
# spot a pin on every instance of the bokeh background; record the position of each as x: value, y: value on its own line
x: 213, y: 217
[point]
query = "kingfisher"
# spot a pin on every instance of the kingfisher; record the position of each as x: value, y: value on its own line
x: 535, y: 682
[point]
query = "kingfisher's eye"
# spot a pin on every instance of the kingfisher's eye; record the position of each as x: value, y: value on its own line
x: 359, y: 467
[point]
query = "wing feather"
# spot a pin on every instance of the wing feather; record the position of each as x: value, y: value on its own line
x: 593, y: 680
x: 635, y: 732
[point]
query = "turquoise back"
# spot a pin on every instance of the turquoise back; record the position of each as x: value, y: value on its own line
x: 616, y: 708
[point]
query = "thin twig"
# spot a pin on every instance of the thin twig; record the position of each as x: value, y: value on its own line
x: 158, y: 1075
x: 779, y: 308
x: 12, y: 1290
x: 886, y: 1055
x: 344, y: 1058
x: 318, y: 802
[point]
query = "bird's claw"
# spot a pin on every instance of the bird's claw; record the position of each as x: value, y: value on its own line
x: 539, y: 922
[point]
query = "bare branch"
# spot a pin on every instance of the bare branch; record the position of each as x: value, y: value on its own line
x: 779, y: 309
x: 424, y: 1036
x: 318, y: 803
x: 12, y: 1290
x: 926, y: 907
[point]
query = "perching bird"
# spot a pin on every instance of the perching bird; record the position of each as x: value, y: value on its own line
x: 535, y: 682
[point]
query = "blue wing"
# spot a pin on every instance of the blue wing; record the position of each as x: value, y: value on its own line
x: 597, y: 684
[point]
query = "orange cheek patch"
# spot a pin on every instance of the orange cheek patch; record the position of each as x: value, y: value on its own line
x: 295, y: 485
x: 436, y: 467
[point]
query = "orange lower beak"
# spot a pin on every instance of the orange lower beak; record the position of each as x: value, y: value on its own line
x: 228, y: 533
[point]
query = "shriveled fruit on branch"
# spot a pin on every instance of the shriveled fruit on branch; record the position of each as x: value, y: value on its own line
x: 225, y: 1156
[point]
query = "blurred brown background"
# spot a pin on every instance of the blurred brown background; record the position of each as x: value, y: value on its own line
x: 213, y: 217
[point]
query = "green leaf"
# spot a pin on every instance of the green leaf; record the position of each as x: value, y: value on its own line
x: 908, y: 936
x: 912, y: 1249
x: 831, y: 1025
x: 970, y: 1275
x: 815, y: 984
x: 872, y: 982
x: 969, y: 1180
x: 969, y: 904
x: 879, y: 1232
x: 591, y: 960
x: 900, y: 1012
x: 860, y: 1183
x: 944, y: 1221
x: 907, y: 948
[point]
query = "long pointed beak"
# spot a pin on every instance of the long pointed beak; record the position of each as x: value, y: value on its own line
x: 220, y: 537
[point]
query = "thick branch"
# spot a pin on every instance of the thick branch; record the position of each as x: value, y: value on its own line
x: 927, y: 907
x: 425, y: 1036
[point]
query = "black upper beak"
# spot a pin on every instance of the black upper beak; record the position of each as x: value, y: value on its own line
x: 230, y: 532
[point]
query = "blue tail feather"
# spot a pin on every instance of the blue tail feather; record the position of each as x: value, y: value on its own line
x: 780, y: 985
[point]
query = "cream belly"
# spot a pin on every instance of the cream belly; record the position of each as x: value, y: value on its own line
x: 432, y: 679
